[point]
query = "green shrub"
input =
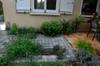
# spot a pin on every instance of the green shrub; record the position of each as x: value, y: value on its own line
x: 3, y: 62
x: 51, y: 28
x: 82, y: 44
x: 98, y: 16
x: 67, y: 27
x: 26, y: 30
x: 27, y: 36
x: 14, y: 29
x: 59, y: 51
x: 22, y: 48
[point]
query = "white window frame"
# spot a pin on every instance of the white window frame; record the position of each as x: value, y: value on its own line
x: 45, y: 11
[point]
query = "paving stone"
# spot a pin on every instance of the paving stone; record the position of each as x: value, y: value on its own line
x: 50, y: 42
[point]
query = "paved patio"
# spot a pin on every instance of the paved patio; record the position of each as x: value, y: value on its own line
x: 50, y: 42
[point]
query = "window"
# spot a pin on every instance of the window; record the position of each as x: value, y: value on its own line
x: 66, y: 6
x: 51, y: 7
x: 45, y: 6
x: 39, y: 4
x: 22, y: 5
x: 89, y: 7
x: 51, y: 4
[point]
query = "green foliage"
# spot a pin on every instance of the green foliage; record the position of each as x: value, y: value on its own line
x: 40, y: 64
x: 67, y: 27
x: 27, y: 35
x: 3, y: 62
x: 22, y: 48
x: 14, y: 29
x: 59, y: 51
x: 26, y: 30
x: 82, y: 44
x: 49, y: 64
x: 23, y: 32
x: 98, y: 16
x: 51, y: 28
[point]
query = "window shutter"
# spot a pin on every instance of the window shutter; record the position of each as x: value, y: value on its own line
x: 22, y: 5
x: 66, y: 6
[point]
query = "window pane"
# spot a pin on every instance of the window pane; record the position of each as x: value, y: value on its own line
x: 89, y: 7
x: 39, y: 4
x: 51, y: 4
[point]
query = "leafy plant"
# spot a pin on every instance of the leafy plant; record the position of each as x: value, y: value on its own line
x: 59, y: 51
x: 26, y: 30
x: 67, y: 27
x: 14, y: 29
x: 22, y: 48
x: 3, y: 62
x: 51, y: 28
x: 98, y: 16
x: 82, y: 44
x: 27, y: 36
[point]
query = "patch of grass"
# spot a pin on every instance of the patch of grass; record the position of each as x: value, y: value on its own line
x: 82, y: 44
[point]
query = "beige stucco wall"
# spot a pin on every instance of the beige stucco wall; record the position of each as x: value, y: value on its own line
x: 23, y: 19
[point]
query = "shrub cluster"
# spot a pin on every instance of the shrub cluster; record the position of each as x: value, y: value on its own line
x: 67, y: 27
x: 23, y: 32
x: 3, y: 62
x: 22, y: 48
x: 51, y: 28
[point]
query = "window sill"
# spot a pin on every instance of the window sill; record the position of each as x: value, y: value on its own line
x: 48, y: 14
x: 88, y: 16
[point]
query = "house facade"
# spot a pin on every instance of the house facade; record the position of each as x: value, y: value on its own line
x: 35, y: 12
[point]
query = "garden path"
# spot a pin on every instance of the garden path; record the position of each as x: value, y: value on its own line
x: 3, y: 40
